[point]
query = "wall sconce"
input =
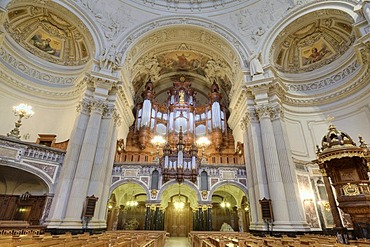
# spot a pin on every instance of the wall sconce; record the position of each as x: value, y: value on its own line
x: 22, y: 111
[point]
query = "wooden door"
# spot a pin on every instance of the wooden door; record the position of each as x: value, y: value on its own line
x: 178, y: 222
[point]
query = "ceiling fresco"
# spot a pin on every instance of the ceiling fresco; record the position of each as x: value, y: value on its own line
x: 313, y: 41
x: 47, y: 34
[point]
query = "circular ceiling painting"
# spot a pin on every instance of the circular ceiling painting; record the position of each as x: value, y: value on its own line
x: 313, y: 41
x: 50, y: 32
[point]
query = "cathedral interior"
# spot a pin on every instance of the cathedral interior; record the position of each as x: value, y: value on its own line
x: 181, y: 116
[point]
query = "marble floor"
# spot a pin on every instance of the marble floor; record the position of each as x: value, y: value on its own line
x: 177, y: 242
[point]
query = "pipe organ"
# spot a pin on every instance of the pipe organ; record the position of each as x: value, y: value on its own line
x: 180, y: 112
x: 181, y: 120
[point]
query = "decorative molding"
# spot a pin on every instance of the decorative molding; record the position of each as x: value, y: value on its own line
x: 117, y: 118
x: 263, y: 111
x: 327, y: 82
x: 22, y: 85
x: 27, y: 70
x: 276, y: 112
x: 253, y: 22
x: 97, y: 106
x: 183, y: 6
x: 210, y: 39
x: 49, y: 31
x: 114, y: 17
x: 83, y: 107
x: 330, y: 97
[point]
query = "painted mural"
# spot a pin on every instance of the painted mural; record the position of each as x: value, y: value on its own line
x: 182, y: 61
x: 315, y: 53
x: 305, y: 188
x: 46, y: 43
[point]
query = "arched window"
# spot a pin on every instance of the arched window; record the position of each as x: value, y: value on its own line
x: 204, y: 181
x: 155, y: 180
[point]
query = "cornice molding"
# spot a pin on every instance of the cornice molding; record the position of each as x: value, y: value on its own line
x: 13, y: 62
x: 21, y: 85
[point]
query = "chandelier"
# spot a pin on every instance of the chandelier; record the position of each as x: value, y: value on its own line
x: 132, y: 202
x: 179, y: 205
x: 225, y: 203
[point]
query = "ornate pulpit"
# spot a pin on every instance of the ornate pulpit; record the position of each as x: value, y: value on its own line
x: 346, y: 165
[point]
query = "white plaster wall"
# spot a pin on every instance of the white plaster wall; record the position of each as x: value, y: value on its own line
x: 307, y: 127
x: 49, y: 118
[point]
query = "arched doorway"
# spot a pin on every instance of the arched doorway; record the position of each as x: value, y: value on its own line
x: 126, y: 208
x: 178, y: 201
x: 230, y: 209
x: 23, y: 196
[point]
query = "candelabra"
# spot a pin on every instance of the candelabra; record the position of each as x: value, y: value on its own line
x: 22, y: 111
x: 157, y: 141
x: 203, y: 142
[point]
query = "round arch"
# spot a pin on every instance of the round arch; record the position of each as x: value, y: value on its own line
x: 146, y: 29
x: 127, y: 181
x: 346, y: 7
x: 47, y: 181
x: 238, y: 186
x: 189, y: 189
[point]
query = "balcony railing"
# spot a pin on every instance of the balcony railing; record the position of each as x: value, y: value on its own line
x: 17, y: 150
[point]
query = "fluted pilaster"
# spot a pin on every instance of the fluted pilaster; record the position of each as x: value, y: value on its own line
x: 60, y: 201
x: 255, y: 168
x: 81, y: 180
x: 102, y: 155
x: 109, y: 167
x: 275, y: 182
x: 287, y: 169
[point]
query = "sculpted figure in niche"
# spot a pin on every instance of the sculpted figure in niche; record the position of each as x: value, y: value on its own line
x: 255, y: 66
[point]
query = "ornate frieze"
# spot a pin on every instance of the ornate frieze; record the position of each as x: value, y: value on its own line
x: 22, y: 85
x: 198, y: 6
x: 32, y: 72
x: 350, y: 70
x: 330, y: 97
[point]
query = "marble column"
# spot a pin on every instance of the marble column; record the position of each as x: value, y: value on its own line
x: 60, y: 201
x: 273, y: 172
x: 255, y: 169
x: 81, y: 180
x: 287, y: 168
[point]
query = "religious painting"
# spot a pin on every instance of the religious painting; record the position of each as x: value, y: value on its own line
x: 316, y: 52
x: 182, y: 61
x: 307, y: 196
x: 46, y: 43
